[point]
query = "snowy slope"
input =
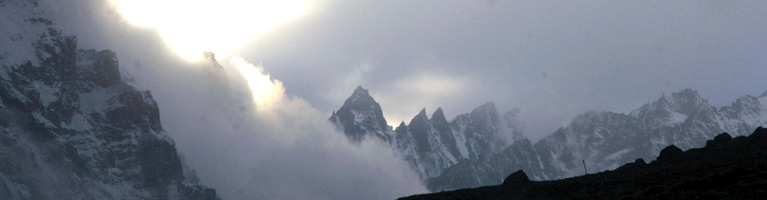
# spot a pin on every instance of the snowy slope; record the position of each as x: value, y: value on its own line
x: 429, y: 145
x: 70, y: 128
x: 606, y: 140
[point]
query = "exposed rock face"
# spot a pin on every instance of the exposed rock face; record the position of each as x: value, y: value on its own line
x: 471, y: 151
x: 70, y: 128
x: 606, y: 140
x: 361, y: 116
x: 430, y: 145
x: 730, y: 169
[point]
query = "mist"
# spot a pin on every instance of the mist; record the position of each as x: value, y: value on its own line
x: 551, y: 59
x: 235, y: 126
x: 245, y: 137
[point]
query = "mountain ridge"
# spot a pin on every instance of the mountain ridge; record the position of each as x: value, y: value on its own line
x: 725, y: 167
x: 428, y: 144
x: 70, y: 127
x: 603, y: 140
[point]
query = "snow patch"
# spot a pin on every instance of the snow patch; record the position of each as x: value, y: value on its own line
x: 47, y: 93
x: 460, y: 141
x: 78, y: 123
x: 676, y: 118
x: 619, y: 154
x: 40, y: 118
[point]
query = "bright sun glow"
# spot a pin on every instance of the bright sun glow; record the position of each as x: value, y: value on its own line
x: 267, y: 93
x: 190, y: 27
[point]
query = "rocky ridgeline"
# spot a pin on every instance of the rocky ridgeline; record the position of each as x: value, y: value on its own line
x: 471, y: 150
x: 430, y: 145
x: 726, y: 168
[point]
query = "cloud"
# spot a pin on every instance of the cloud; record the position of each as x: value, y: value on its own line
x: 405, y: 96
x: 250, y: 140
x: 551, y: 59
x: 295, y: 153
x: 241, y: 132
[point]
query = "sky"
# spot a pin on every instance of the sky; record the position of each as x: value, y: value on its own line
x: 550, y: 59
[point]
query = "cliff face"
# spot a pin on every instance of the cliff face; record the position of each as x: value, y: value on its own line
x: 70, y: 127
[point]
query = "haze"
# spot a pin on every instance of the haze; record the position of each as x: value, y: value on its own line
x: 551, y: 59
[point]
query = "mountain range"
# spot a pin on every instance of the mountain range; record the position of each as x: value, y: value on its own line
x: 71, y: 128
x: 471, y: 150
x: 726, y: 168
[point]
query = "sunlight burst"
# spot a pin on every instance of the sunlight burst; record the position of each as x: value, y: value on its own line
x: 192, y: 26
x: 267, y: 93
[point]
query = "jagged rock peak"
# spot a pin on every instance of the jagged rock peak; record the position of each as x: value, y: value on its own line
x: 402, y: 124
x: 486, y: 107
x: 687, y: 96
x: 486, y: 112
x: 360, y: 115
x: 360, y: 100
x: 420, y: 120
x: 438, y: 112
x: 359, y: 91
x: 422, y: 114
x: 438, y: 115
x: 686, y: 101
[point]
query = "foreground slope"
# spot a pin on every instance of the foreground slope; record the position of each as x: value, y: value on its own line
x: 725, y: 168
x: 70, y: 128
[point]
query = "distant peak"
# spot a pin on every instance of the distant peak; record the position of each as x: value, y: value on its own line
x: 401, y: 125
x: 439, y: 117
x: 489, y: 106
x: 361, y: 98
x: 686, y: 93
x: 763, y: 94
x: 438, y: 113
x: 422, y: 113
x: 359, y: 91
x: 209, y: 55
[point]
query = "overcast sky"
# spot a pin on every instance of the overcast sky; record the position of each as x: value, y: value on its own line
x: 551, y: 59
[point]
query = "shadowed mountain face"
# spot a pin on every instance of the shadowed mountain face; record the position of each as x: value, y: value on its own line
x: 361, y: 116
x: 725, y: 168
x: 70, y: 128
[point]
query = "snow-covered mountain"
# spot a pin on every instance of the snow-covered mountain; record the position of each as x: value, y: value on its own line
x: 605, y: 140
x: 70, y: 127
x: 430, y: 145
x: 472, y: 151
